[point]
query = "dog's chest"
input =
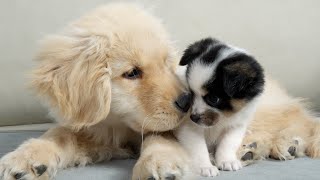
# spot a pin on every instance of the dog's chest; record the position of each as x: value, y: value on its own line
x: 213, y: 134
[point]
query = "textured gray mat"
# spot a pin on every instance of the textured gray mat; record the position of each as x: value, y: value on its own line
x: 302, y: 168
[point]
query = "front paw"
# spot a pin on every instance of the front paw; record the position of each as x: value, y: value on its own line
x: 208, y: 171
x: 229, y: 165
x: 160, y: 166
x: 29, y: 162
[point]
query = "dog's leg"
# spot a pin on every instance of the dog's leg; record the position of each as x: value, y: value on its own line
x: 256, y: 145
x: 56, y: 149
x: 192, y: 138
x: 162, y: 157
x: 225, y: 155
x: 313, y: 147
x: 287, y: 145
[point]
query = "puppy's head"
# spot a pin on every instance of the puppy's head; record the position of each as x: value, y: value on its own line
x: 223, y: 80
x: 114, y: 65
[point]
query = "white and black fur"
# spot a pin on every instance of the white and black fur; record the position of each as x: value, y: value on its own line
x: 225, y: 83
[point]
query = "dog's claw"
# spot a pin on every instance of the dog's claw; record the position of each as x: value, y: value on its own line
x: 40, y: 169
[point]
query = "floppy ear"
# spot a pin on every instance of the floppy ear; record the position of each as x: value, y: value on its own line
x: 74, y: 76
x: 242, y: 77
x: 196, y: 49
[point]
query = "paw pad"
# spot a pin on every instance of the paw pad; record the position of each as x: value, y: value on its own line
x: 39, y: 170
x: 19, y: 175
x: 247, y: 156
x: 253, y: 145
x: 170, y: 177
x: 292, y: 150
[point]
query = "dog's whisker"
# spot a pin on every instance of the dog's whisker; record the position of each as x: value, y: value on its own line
x: 143, y: 126
x: 155, y: 132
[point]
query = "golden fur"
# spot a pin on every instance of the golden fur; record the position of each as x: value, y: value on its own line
x: 80, y: 71
x: 102, y: 115
x: 281, y: 122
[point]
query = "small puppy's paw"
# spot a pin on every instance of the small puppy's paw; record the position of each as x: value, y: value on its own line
x: 160, y: 166
x: 229, y: 165
x: 208, y: 171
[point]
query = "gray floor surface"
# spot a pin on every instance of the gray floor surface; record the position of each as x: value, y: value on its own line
x: 298, y: 169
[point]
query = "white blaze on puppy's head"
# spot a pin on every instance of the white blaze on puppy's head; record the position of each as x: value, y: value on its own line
x: 198, y: 75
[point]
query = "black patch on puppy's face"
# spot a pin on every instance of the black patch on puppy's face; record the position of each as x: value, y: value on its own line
x: 196, y: 49
x: 236, y: 79
x: 206, y: 51
x: 239, y: 78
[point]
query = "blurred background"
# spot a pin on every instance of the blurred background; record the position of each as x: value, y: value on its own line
x: 283, y: 35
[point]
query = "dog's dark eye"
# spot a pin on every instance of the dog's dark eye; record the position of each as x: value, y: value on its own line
x: 133, y: 74
x: 211, y: 100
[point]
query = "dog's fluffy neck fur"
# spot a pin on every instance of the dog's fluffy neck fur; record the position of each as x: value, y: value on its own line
x: 240, y: 119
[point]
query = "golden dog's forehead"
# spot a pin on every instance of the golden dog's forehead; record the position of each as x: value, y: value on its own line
x: 144, y: 52
x: 137, y: 39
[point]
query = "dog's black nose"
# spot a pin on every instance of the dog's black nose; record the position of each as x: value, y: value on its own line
x: 183, y: 102
x: 195, y: 117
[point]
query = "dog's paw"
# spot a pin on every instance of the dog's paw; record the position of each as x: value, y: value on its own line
x: 160, y: 166
x: 247, y: 151
x: 208, y: 171
x: 229, y: 165
x: 283, y: 155
x: 287, y: 150
x: 27, y: 163
x: 16, y: 165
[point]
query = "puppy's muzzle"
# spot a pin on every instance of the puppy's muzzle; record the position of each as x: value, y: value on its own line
x: 184, y: 102
x: 208, y: 118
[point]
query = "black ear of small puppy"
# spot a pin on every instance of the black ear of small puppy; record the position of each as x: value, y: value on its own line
x: 243, y: 77
x: 196, y: 49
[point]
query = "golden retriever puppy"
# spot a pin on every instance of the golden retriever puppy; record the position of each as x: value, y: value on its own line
x: 283, y: 128
x: 107, y: 78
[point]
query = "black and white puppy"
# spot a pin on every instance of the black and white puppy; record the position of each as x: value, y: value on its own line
x: 225, y: 83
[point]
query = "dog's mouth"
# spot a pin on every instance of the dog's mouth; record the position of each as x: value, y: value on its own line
x: 167, y: 122
x: 206, y: 119
x: 162, y: 121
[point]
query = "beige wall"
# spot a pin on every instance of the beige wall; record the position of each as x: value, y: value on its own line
x: 282, y: 34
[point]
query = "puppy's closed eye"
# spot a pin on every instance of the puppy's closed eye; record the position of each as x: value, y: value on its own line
x: 135, y: 73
